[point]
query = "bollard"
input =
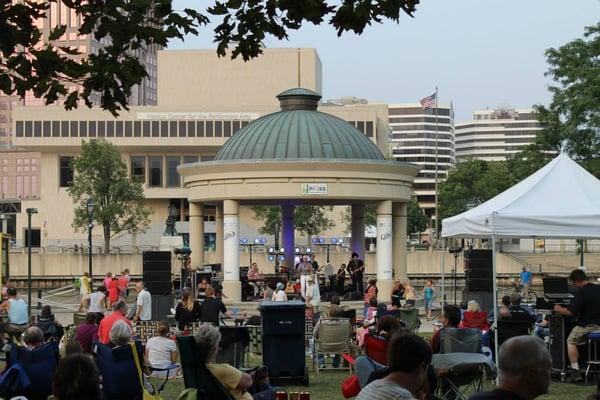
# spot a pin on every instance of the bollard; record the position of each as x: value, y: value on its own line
x: 39, y: 305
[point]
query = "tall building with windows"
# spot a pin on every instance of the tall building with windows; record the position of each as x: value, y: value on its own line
x: 495, y: 135
x: 413, y: 140
x: 196, y: 115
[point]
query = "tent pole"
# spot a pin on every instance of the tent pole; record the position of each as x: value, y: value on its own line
x: 443, y: 267
x: 495, y: 302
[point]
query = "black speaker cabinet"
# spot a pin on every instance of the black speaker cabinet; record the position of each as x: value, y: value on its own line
x: 157, y: 272
x: 161, y: 306
x: 478, y: 270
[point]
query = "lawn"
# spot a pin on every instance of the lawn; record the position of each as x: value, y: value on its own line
x: 327, y: 387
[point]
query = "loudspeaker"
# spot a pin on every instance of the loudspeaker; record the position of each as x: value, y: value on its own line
x: 478, y: 270
x: 157, y: 272
x: 161, y: 306
x: 283, y: 332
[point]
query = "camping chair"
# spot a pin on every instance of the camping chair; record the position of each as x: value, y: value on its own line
x: 234, y: 340
x: 255, y: 346
x: 120, y: 378
x: 509, y: 329
x: 460, y: 340
x: 39, y: 364
x: 410, y: 317
x: 333, y: 338
x: 376, y: 348
x: 195, y: 373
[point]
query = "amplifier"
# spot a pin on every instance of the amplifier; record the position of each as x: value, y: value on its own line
x: 560, y: 328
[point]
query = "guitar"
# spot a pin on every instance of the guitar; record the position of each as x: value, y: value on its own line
x: 354, y: 271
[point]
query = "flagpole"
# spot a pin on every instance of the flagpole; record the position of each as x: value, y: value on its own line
x: 436, y: 167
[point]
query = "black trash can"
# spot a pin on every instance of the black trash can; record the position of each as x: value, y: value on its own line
x: 283, y: 340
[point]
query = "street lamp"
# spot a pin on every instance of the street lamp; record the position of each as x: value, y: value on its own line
x: 90, y: 214
x: 29, y: 211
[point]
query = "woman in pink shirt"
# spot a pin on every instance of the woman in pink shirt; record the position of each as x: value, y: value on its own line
x: 370, y: 293
x: 107, y: 280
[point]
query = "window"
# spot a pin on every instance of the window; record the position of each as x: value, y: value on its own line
x: 218, y: 128
x: 110, y: 128
x: 46, y: 129
x: 55, y: 128
x: 227, y: 129
x: 236, y: 126
x: 191, y: 129
x: 138, y: 168
x: 64, y: 129
x: 35, y: 237
x: 200, y: 128
x: 66, y: 171
x: 173, y: 128
x: 172, y: 174
x: 369, y: 129
x: 20, y: 129
x: 155, y: 129
x: 92, y: 128
x: 137, y: 128
x: 164, y: 129
x: 101, y: 128
x: 182, y: 129
x: 119, y: 129
x: 155, y: 165
x: 146, y: 128
x: 74, y: 129
x: 190, y: 159
x: 209, y: 129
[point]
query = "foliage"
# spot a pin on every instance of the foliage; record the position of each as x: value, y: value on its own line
x: 572, y: 120
x: 126, y: 27
x: 417, y: 220
x: 310, y: 220
x: 370, y: 217
x: 101, y: 174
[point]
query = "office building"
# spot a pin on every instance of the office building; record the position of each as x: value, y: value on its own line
x: 413, y: 140
x: 495, y: 135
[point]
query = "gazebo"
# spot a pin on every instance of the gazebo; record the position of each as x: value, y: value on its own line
x: 293, y: 157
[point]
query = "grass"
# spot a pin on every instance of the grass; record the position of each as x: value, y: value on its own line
x: 327, y: 387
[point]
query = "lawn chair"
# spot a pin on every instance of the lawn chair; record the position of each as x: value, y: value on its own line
x: 254, y: 349
x: 195, y: 373
x: 376, y: 348
x: 333, y: 338
x: 39, y: 364
x: 470, y: 376
x: 410, y: 317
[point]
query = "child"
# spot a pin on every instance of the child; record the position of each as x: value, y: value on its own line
x: 428, y: 297
x: 409, y: 294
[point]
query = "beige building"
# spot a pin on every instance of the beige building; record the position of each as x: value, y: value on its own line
x: 495, y: 135
x: 196, y: 115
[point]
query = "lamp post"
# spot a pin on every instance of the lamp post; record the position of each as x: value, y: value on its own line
x: 29, y: 211
x: 90, y: 214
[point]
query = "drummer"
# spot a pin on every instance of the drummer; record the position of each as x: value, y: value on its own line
x: 254, y: 276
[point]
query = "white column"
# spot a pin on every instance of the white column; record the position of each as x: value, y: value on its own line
x: 358, y: 229
x: 385, y: 280
x: 231, y: 251
x: 399, y: 221
x: 288, y: 235
x: 197, y: 234
x: 219, y: 233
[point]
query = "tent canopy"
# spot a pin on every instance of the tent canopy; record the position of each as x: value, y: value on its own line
x: 561, y: 200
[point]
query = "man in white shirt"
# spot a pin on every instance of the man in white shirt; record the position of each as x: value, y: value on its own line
x: 143, y: 310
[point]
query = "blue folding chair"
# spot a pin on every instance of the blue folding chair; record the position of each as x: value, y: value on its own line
x: 120, y: 379
x: 39, y: 364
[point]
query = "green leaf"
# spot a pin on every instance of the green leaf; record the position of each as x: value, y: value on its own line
x: 57, y: 32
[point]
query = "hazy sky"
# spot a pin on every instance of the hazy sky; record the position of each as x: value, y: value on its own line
x: 480, y: 53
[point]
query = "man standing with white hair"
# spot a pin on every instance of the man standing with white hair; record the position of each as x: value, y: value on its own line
x: 525, y: 366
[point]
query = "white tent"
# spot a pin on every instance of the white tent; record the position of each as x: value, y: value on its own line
x: 561, y: 200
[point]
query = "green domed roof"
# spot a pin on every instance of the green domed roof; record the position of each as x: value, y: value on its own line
x: 299, y: 131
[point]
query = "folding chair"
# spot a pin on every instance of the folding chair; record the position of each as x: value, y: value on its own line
x: 255, y: 346
x: 509, y: 329
x: 410, y: 317
x: 195, y: 373
x: 461, y: 340
x: 334, y: 338
x: 39, y: 364
x: 376, y: 348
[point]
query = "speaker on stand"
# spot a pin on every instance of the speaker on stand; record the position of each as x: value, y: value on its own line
x: 157, y: 280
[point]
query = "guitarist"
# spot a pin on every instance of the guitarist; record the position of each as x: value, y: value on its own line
x: 356, y: 268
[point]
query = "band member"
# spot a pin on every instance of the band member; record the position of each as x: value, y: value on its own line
x: 356, y: 268
x: 304, y: 269
x: 340, y: 279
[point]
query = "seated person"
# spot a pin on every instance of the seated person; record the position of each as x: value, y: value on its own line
x: 120, y: 334
x: 335, y: 310
x: 87, y: 333
x: 16, y: 308
x: 542, y: 330
x: 33, y: 337
x: 474, y: 317
x: 387, y: 326
x: 77, y: 378
x: 161, y: 351
x: 517, y: 312
x: 371, y: 312
x: 503, y: 312
x: 52, y: 329
x: 450, y: 319
x: 408, y: 356
x: 241, y: 386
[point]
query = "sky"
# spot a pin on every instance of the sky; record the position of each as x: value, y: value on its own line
x: 480, y: 53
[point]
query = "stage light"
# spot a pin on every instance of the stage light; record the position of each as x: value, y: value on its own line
x: 256, y: 241
x: 297, y: 250
x: 333, y: 241
x: 296, y: 259
x: 321, y: 240
x: 315, y: 240
x: 263, y: 240
x: 308, y: 250
x: 271, y: 250
x: 244, y: 240
x: 271, y: 258
x: 282, y: 258
x: 341, y: 240
x: 282, y: 250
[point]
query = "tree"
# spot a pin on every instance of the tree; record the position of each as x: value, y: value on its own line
x: 370, y: 217
x: 310, y: 220
x: 50, y: 71
x: 417, y: 220
x: 101, y: 174
x: 572, y: 120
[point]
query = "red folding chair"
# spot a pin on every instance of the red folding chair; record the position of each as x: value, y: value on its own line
x: 376, y: 348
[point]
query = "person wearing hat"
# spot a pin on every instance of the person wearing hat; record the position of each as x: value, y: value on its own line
x: 279, y: 293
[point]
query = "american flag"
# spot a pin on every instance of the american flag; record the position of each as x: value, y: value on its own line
x: 428, y: 102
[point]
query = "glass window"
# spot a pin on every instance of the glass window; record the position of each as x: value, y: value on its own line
x: 155, y: 129
x: 369, y: 129
x: 164, y: 129
x: 190, y: 159
x: 35, y: 237
x: 172, y: 174
x: 218, y: 128
x: 138, y: 168
x: 66, y: 171
x: 137, y: 128
x: 20, y: 129
x: 191, y: 129
x: 74, y: 129
x: 146, y: 128
x: 92, y: 128
x: 55, y: 128
x: 244, y: 123
x: 227, y: 129
x: 128, y: 129
x: 360, y: 125
x: 155, y: 169
x: 110, y: 128
x: 237, y: 125
x: 82, y: 128
x: 64, y: 129
x: 182, y: 129
x: 46, y: 129
x: 119, y: 129
x: 209, y: 129
x: 200, y: 128
x: 101, y: 128
x: 172, y: 128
